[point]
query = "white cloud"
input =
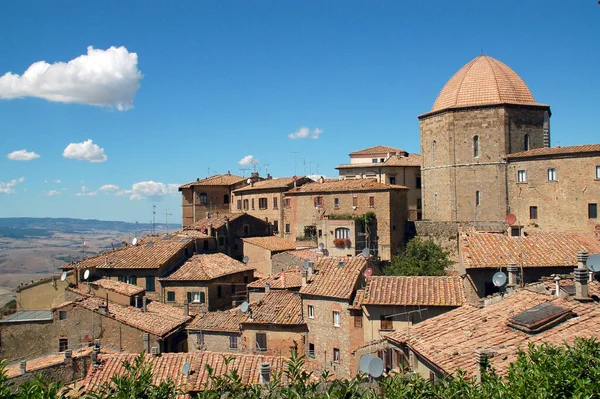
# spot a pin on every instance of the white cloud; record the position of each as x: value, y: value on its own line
x: 100, y: 77
x: 85, y: 192
x: 109, y: 188
x: 305, y: 132
x: 52, y: 193
x: 56, y: 181
x: 8, y: 187
x: 22, y: 155
x: 316, y: 177
x: 248, y: 160
x: 149, y: 189
x: 85, y: 151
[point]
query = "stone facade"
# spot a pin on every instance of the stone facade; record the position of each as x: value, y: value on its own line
x: 280, y: 339
x: 43, y: 294
x: 216, y: 341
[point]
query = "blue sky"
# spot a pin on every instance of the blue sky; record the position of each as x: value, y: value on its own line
x: 221, y: 80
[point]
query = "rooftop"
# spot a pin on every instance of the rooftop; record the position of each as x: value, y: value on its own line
x: 277, y: 307
x: 491, y: 250
x: 483, y: 81
x: 452, y: 340
x: 395, y: 160
x: 202, y: 267
x: 556, y: 151
x: 272, y: 243
x: 335, y: 277
x: 216, y: 219
x: 227, y: 320
x: 215, y: 180
x: 273, y: 184
x: 118, y: 287
x: 286, y: 279
x: 305, y: 254
x: 28, y: 316
x: 347, y: 185
x: 378, y: 149
x: 414, y: 291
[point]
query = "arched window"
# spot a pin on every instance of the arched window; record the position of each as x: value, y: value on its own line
x: 342, y: 232
x: 226, y: 199
x: 526, y: 142
x: 477, y: 198
x: 475, y: 146
x: 434, y: 150
x: 203, y: 198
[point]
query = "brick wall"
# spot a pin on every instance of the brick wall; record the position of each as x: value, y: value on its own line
x: 258, y: 258
x: 67, y: 372
x: 217, y: 341
x: 271, y: 214
x: 193, y: 210
x: 280, y: 339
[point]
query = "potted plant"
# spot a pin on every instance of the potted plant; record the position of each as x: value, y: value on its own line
x: 339, y: 242
x: 347, y: 242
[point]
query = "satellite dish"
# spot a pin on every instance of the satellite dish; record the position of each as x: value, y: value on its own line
x: 499, y: 279
x: 593, y: 263
x: 134, y: 241
x: 306, y: 264
x: 186, y: 368
x: 321, y: 246
x: 86, y: 274
x: 249, y: 181
x: 63, y: 276
x: 245, y: 259
x: 244, y: 307
x: 365, y: 253
x: 511, y: 218
x: 364, y: 363
x: 376, y: 367
x: 368, y: 272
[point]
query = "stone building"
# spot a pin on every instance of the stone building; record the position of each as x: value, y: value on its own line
x: 332, y: 210
x: 216, y: 331
x: 388, y: 165
x: 294, y: 259
x: 43, y: 294
x: 207, y: 282
x: 259, y: 251
x: 212, y: 194
x: 264, y: 199
x: 290, y: 280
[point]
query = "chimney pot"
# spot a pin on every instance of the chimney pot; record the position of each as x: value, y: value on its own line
x: 68, y: 354
x: 137, y: 301
x: 144, y: 304
x: 265, y: 373
x: 582, y: 258
x: 557, y: 286
x: 154, y: 351
x: 267, y: 288
x: 23, y: 367
x: 304, y: 278
x: 94, y: 357
x: 513, y: 274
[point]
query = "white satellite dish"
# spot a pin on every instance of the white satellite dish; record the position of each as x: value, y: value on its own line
x: 245, y: 259
x: 63, y: 276
x: 244, y: 307
x: 376, y: 367
x: 365, y: 253
x: 321, y: 246
x: 86, y: 274
x: 134, y: 241
x: 364, y: 363
x: 186, y: 368
x: 306, y: 264
x: 249, y: 181
x: 593, y: 263
x: 499, y: 279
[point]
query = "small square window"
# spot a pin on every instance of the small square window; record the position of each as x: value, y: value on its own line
x: 371, y: 202
x: 170, y: 296
x: 386, y: 323
x: 287, y: 228
x: 200, y: 338
x: 311, y: 350
x: 318, y: 201
x: 522, y: 176
x: 336, y: 355
x: 62, y: 315
x: 336, y: 318
x: 374, y: 160
x: 262, y: 203
x: 515, y: 231
x: 552, y: 174
x: 311, y: 312
x: 354, y: 200
x: 261, y: 342
x: 533, y: 212
x: 336, y: 202
x: 245, y: 204
x: 63, y: 344
x: 392, y: 180
x: 598, y: 172
x: 275, y: 203
x: 358, y: 321
x: 287, y: 202
x: 593, y: 211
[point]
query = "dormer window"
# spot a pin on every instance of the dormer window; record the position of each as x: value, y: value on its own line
x: 476, y: 146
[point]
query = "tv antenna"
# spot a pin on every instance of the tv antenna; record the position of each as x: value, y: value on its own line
x: 254, y: 162
x: 186, y: 368
x: 167, y: 214
x: 153, y: 219
x: 294, y: 152
x: 266, y: 165
x: 63, y: 276
x: 310, y: 167
x: 244, y: 170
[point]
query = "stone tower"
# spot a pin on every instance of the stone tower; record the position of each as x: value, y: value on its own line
x: 484, y: 112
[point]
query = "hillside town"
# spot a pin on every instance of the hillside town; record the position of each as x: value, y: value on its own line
x: 264, y: 267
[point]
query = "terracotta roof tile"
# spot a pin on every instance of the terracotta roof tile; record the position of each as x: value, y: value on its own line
x: 409, y: 160
x: 346, y: 185
x: 538, y: 152
x: 217, y: 220
x: 216, y: 180
x: 272, y: 243
x: 491, y: 250
x: 453, y: 339
x: 335, y: 281
x: 305, y: 254
x: 286, y: 279
x: 358, y: 300
x: 118, y: 287
x: 272, y: 184
x: 414, y: 290
x: 277, y: 307
x: 227, y: 320
x: 203, y: 267
x: 378, y: 149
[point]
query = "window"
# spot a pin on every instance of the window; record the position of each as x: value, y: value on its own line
x: 336, y: 202
x: 245, y: 204
x: 275, y: 226
x: 336, y: 355
x: 252, y: 203
x: 311, y: 312
x: 522, y: 176
x: 170, y: 296
x: 358, y: 321
x: 598, y: 172
x: 287, y: 228
x: 526, y: 142
x: 371, y: 202
x: 233, y: 342
x: 434, y: 150
x: 62, y: 315
x: 386, y: 323
x: 203, y: 199
x: 318, y: 201
x: 311, y: 350
x: 221, y: 241
x: 515, y: 231
x: 419, y: 203
x: 226, y: 199
x: 275, y: 203
x: 239, y: 205
x: 261, y: 342
x: 476, y: 146
x: 374, y: 160
x: 150, y: 285
x: 551, y: 174
x: 381, y: 159
x: 246, y: 230
x: 392, y: 180
x: 342, y: 232
x: 133, y: 280
x: 477, y: 198
x: 200, y: 338
x: 63, y: 344
x: 354, y: 200
x: 336, y: 318
x: 196, y: 297
x: 219, y: 291
x: 287, y: 202
x: 418, y: 178
x: 593, y: 211
x: 320, y: 233
x: 262, y: 203
x: 533, y: 214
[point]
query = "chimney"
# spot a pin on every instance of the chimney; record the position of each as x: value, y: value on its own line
x: 155, y: 351
x: 265, y: 373
x: 137, y: 302
x: 23, y: 367
x: 68, y: 354
x: 304, y: 278
x: 311, y: 268
x: 144, y: 304
x: 269, y: 177
x: 482, y: 364
x: 147, y: 342
x: 97, y: 344
x: 210, y: 230
x: 197, y: 179
x: 267, y: 288
x: 513, y: 275
x: 581, y: 277
x: 94, y: 357
x: 186, y: 308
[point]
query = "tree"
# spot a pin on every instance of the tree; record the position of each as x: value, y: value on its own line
x: 420, y: 258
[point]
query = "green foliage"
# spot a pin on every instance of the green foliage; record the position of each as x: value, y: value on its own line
x: 420, y: 258
x: 367, y: 217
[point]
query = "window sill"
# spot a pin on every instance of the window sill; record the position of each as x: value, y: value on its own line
x: 337, y: 326
x: 551, y: 181
x: 521, y: 182
x: 387, y: 329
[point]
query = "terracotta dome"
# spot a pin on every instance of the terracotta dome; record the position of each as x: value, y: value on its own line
x: 483, y: 81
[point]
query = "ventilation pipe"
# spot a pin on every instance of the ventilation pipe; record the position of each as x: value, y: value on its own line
x: 144, y: 304
x: 581, y: 277
x: 557, y: 286
x: 513, y: 275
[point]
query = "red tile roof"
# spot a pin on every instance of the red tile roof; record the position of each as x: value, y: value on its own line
x: 207, y: 267
x: 414, y: 290
x: 217, y: 220
x: 273, y: 184
x: 227, y: 320
x: 118, y: 287
x: 277, y: 307
x: 305, y: 254
x: 378, y: 149
x: 215, y: 180
x: 286, y: 279
x: 491, y: 250
x: 334, y: 280
x: 169, y: 366
x: 272, y: 243
x: 453, y: 339
x: 358, y: 300
x: 538, y: 152
x: 346, y: 185
x: 395, y: 160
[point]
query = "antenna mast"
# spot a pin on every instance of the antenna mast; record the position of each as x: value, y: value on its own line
x: 167, y: 214
x: 294, y: 152
x: 266, y: 168
x: 153, y: 219
x: 244, y: 171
